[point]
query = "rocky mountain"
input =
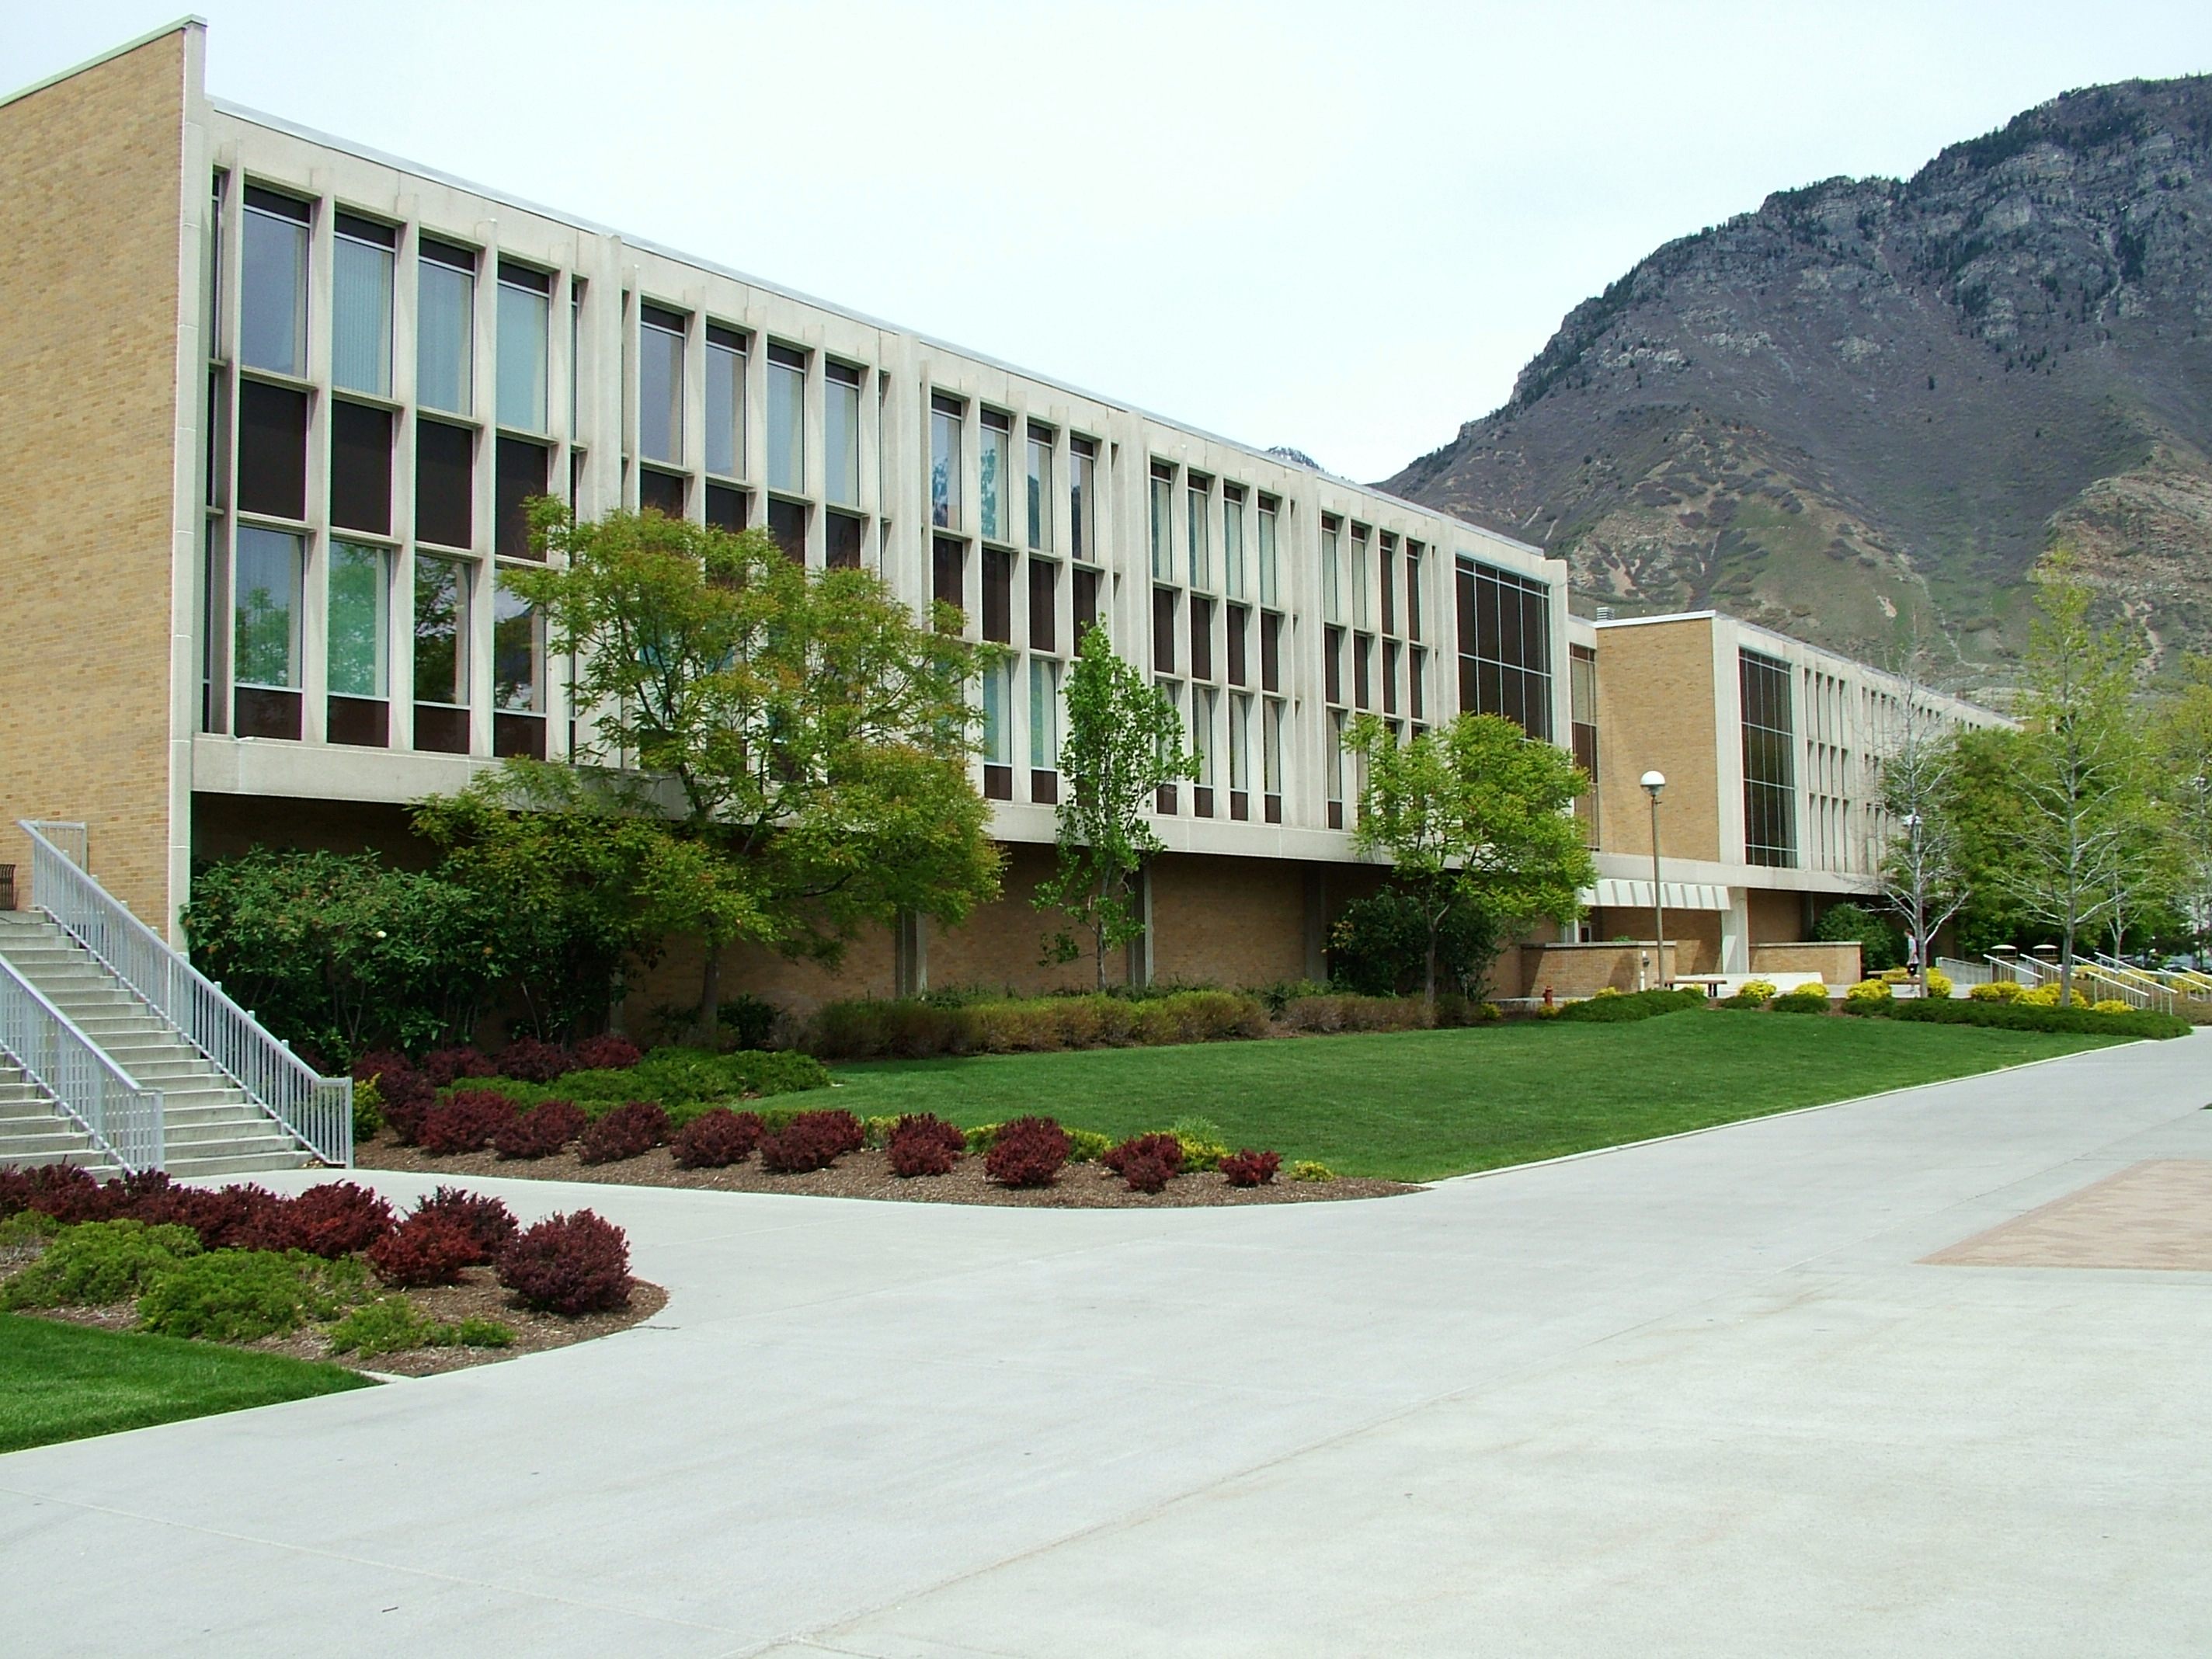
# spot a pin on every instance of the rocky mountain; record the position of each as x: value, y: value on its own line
x: 1864, y: 412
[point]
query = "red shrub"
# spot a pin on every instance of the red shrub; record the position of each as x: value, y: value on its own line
x: 486, y: 1220
x: 424, y: 1250
x: 610, y: 1051
x: 445, y: 1066
x: 568, y: 1264
x: 225, y: 1219
x: 69, y: 1194
x: 1145, y: 1149
x: 813, y: 1140
x: 15, y: 1191
x: 923, y: 1145
x: 717, y: 1138
x: 331, y: 1220
x: 542, y: 1131
x: 1250, y: 1168
x: 531, y: 1061
x: 1147, y: 1172
x: 381, y: 1062
x: 628, y: 1131
x: 1029, y: 1152
x: 408, y: 1097
x: 465, y: 1122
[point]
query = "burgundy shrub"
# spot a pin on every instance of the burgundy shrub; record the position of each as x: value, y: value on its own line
x: 529, y: 1060
x: 408, y: 1095
x: 1146, y: 1172
x: 332, y: 1220
x: 628, y: 1131
x: 813, y: 1140
x: 1029, y: 1152
x: 70, y: 1196
x: 381, y: 1062
x: 923, y: 1145
x: 445, y: 1065
x: 141, y: 1186
x: 485, y: 1220
x: 225, y: 1217
x: 610, y: 1051
x: 15, y: 1191
x: 568, y: 1264
x: 1148, y: 1149
x: 542, y: 1131
x: 1250, y: 1168
x: 425, y: 1250
x: 717, y: 1138
x: 465, y: 1122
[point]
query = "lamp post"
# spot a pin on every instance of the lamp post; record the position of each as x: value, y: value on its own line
x: 1653, y: 783
x: 1919, y: 907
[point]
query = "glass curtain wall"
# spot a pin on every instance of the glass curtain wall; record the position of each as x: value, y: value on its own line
x: 1770, y: 771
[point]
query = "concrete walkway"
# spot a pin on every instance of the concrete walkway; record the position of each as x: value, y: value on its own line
x: 1695, y: 1398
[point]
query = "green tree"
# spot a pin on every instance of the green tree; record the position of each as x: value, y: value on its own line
x: 1124, y: 743
x: 1474, y: 816
x: 1923, y: 865
x: 2079, y: 778
x: 801, y: 733
x: 2182, y: 740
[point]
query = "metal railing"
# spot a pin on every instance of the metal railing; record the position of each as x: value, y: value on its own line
x: 2135, y: 989
x: 123, y: 1119
x: 315, y: 1110
x: 1961, y: 972
x: 2020, y: 970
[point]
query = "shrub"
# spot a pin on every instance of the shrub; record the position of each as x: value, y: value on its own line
x: 1939, y: 982
x: 425, y: 1250
x: 376, y: 1062
x: 535, y: 1061
x: 630, y: 1131
x: 1084, y: 1145
x: 485, y: 1220
x: 747, y: 1021
x: 473, y: 1333
x: 69, y: 1194
x: 1805, y: 999
x: 226, y: 1218
x: 443, y: 1066
x: 980, y: 1137
x: 2110, y: 1005
x: 925, y: 1146
x: 718, y: 1137
x: 915, y: 1028
x: 2028, y: 1017
x: 1145, y: 1149
x: 388, y: 1325
x: 1620, y: 1007
x: 331, y: 1220
x: 542, y: 1131
x: 97, y: 1262
x: 1998, y: 990
x: 1758, y: 990
x: 1870, y: 990
x: 568, y: 1264
x: 465, y: 1121
x: 405, y: 1098
x: 1307, y: 1168
x: 680, y: 1078
x: 1200, y: 1139
x: 1340, y: 1011
x: 811, y: 1141
x: 1250, y: 1168
x: 1147, y: 1172
x: 1881, y: 946
x: 1027, y: 1152
x: 368, y: 1109
x: 240, y: 1295
x: 608, y: 1052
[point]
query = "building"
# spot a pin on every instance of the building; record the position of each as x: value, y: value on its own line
x: 275, y: 402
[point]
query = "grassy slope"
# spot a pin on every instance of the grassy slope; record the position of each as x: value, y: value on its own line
x: 1420, y: 1104
x: 64, y: 1382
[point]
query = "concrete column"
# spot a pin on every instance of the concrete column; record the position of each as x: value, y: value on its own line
x: 1735, y: 933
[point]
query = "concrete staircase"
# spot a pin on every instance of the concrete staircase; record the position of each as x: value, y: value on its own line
x: 212, y: 1128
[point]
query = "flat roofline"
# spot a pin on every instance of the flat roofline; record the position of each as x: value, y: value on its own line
x: 192, y: 20
x: 401, y: 164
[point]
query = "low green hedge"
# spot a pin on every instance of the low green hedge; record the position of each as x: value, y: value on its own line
x: 2016, y: 1017
x: 1635, y: 1004
x: 911, y: 1028
x: 681, y: 1079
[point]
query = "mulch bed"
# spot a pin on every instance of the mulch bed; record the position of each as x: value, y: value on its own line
x: 868, y: 1175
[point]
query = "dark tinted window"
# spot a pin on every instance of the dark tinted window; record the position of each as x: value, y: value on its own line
x: 661, y: 491
x: 519, y: 474
x: 361, y: 468
x: 443, y: 513
x: 272, y: 450
x: 726, y: 509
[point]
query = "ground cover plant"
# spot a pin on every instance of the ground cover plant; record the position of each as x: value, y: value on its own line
x: 1418, y: 1105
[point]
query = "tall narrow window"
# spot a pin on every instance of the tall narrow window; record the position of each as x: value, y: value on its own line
x: 361, y: 468
x: 727, y: 509
x: 1232, y: 542
x: 360, y: 645
x: 526, y: 308
x: 948, y: 572
x: 442, y: 633
x: 1044, y: 714
x: 840, y: 432
x: 999, y: 731
x: 273, y: 292
x: 218, y: 269
x: 518, y: 477
x: 1334, y: 765
x: 1270, y: 579
x: 1271, y: 757
x: 1203, y: 744
x: 1769, y: 774
x: 1200, y: 497
x: 1582, y: 713
x: 945, y: 418
x: 1363, y: 580
x: 1162, y: 515
x: 361, y: 308
x: 1332, y: 569
x: 660, y: 384
x: 265, y: 597
x: 843, y: 534
x: 444, y: 492
x: 1271, y: 653
x: 1044, y: 605
x: 445, y: 326
x: 787, y: 420
x: 518, y: 676
x: 787, y: 522
x: 1240, y: 755
x: 1413, y: 564
x: 1171, y: 696
x: 1040, y: 489
x: 995, y: 477
x: 997, y: 596
x: 1387, y: 568
x: 272, y: 450
x: 1085, y: 602
x: 725, y: 402
x: 1083, y: 499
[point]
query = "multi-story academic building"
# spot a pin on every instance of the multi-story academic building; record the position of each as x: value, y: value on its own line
x: 275, y: 403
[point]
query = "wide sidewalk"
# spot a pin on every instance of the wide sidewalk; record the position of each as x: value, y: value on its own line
x: 1698, y: 1397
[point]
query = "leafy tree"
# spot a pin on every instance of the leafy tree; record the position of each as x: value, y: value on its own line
x: 1923, y: 860
x: 2181, y: 741
x: 1876, y: 938
x: 1124, y: 743
x: 1474, y: 819
x: 1379, y: 946
x: 802, y: 736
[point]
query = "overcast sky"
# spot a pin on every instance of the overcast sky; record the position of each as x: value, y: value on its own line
x: 1343, y: 228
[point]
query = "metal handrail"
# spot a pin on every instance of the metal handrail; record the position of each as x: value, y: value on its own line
x: 315, y: 1110
x: 123, y: 1119
x: 2126, y: 988
x: 2020, y: 971
x: 1959, y: 971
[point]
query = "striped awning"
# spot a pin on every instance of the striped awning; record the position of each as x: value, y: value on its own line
x: 1612, y: 892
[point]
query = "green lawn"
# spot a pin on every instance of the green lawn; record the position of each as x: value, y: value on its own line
x: 1419, y: 1104
x: 65, y: 1382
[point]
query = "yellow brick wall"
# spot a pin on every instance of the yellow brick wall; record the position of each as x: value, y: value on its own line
x: 1570, y: 971
x: 1838, y: 964
x: 1774, y: 916
x: 90, y: 222
x: 1655, y: 711
x: 1234, y: 923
